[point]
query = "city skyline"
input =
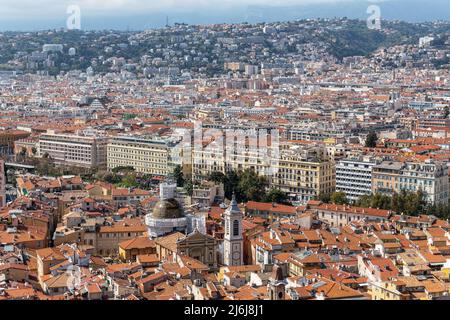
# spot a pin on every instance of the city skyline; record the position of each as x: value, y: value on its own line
x: 294, y: 160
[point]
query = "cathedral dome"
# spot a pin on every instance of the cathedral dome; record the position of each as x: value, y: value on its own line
x: 167, y: 209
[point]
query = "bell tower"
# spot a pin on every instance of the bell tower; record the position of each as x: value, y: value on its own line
x: 276, y: 286
x: 233, y: 244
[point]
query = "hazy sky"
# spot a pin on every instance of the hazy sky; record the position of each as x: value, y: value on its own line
x: 139, y: 14
x: 49, y: 8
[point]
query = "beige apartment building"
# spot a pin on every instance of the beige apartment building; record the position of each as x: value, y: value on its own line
x: 208, y: 159
x: 430, y: 176
x: 9, y: 137
x: 341, y: 215
x: 304, y: 173
x: 108, y: 238
x: 234, y: 66
x: 78, y: 150
x: 146, y: 155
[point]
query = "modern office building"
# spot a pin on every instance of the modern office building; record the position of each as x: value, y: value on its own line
x: 354, y: 176
x: 78, y: 150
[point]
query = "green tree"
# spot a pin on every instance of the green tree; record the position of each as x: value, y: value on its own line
x: 371, y: 140
x: 364, y: 201
x: 217, y: 177
x: 107, y: 176
x: 407, y: 202
x: 377, y: 200
x: 231, y: 183
x: 251, y: 186
x: 189, y: 187
x: 129, y: 181
x: 324, y: 197
x: 381, y: 201
x: 178, y: 176
x: 276, y: 195
x: 123, y: 169
x: 416, y: 203
x: 446, y: 112
x: 339, y: 198
x: 441, y: 210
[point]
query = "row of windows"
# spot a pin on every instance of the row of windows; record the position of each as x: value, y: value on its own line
x: 354, y: 165
x: 145, y: 153
x: 146, y: 165
x: 341, y: 216
x: 115, y: 235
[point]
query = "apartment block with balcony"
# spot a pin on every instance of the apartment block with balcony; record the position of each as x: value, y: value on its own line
x: 304, y: 173
x: 354, y: 176
x: 145, y: 154
x: 430, y: 176
x: 227, y: 152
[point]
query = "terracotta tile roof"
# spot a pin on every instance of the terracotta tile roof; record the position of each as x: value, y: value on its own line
x: 269, y: 207
x: 137, y: 243
x: 355, y: 210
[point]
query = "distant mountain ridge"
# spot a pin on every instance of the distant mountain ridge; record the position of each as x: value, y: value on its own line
x: 405, y: 10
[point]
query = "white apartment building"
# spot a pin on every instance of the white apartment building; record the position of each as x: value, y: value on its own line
x: 225, y: 149
x: 430, y: 176
x: 78, y: 150
x: 354, y: 176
